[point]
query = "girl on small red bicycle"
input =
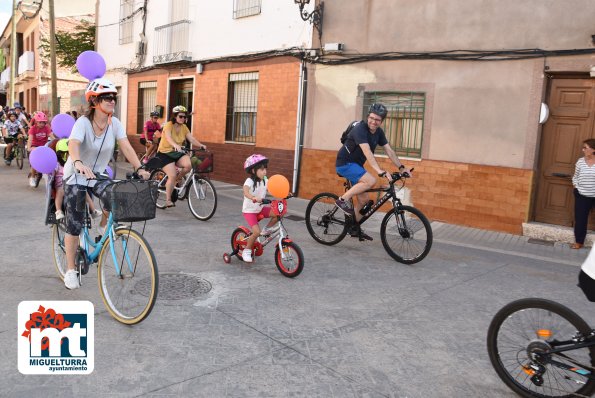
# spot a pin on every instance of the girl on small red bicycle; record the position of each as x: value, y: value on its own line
x: 255, y: 190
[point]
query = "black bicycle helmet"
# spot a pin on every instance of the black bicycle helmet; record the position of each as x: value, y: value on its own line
x: 154, y: 114
x: 378, y: 109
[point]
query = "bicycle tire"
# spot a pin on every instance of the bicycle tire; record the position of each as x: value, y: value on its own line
x: 59, y: 248
x: 238, y: 234
x: 288, y: 267
x: 322, y: 215
x: 161, y: 178
x: 535, y: 314
x: 130, y: 295
x: 202, y: 198
x: 408, y: 222
x: 38, y: 177
x: 19, y: 156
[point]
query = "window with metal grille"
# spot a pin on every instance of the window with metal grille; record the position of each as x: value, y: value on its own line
x: 404, y: 123
x: 147, y: 99
x: 245, y: 8
x: 242, y: 100
x: 126, y: 21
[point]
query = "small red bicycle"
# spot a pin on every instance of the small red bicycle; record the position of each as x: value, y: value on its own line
x: 288, y: 255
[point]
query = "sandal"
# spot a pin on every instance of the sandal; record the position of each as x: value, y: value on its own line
x: 169, y: 204
x: 576, y: 246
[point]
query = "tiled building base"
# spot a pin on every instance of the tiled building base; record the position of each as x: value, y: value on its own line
x: 487, y: 197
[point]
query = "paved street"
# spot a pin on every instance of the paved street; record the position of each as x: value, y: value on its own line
x: 354, y: 324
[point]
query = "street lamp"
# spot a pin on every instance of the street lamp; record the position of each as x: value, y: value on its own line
x: 29, y: 8
x: 315, y: 17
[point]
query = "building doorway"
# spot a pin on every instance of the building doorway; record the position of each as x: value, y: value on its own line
x: 181, y: 93
x: 572, y: 120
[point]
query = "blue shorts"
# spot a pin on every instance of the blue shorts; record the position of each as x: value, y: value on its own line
x: 352, y: 171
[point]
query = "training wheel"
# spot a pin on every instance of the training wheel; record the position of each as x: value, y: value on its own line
x: 226, y: 258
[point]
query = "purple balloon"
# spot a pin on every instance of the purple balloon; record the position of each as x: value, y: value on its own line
x: 109, y: 172
x: 43, y: 159
x: 90, y: 64
x: 62, y: 125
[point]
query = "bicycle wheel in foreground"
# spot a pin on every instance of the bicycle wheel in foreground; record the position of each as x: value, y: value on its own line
x: 293, y: 264
x: 58, y: 248
x: 326, y: 223
x: 406, y: 234
x: 531, y: 326
x: 130, y: 294
x: 202, y: 198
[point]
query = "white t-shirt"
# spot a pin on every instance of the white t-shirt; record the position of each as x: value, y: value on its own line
x: 259, y: 192
x: 89, y: 151
x: 588, y: 266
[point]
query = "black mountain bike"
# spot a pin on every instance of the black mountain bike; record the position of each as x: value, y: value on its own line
x: 541, y: 348
x: 405, y: 231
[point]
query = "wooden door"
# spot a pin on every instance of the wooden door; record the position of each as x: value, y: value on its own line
x: 571, y: 121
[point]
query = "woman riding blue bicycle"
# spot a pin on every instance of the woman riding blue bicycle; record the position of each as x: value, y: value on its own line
x: 91, y: 146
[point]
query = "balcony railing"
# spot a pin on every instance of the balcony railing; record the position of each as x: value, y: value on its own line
x: 4, y: 79
x: 26, y: 65
x: 172, y: 42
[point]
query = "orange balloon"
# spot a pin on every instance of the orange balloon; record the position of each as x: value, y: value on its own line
x: 278, y: 186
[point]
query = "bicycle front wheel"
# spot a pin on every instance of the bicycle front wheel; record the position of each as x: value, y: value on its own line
x: 59, y: 248
x: 128, y: 278
x: 406, y: 234
x: 326, y: 223
x: 202, y: 198
x: 519, y: 339
x: 293, y: 263
x: 19, y: 156
x: 161, y: 178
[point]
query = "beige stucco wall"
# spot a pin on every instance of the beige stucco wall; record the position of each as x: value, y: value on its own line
x: 478, y: 112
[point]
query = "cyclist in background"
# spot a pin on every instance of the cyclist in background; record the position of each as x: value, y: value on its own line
x: 175, y: 134
x: 39, y: 135
x: 21, y: 116
x: 12, y: 131
x: 359, y: 148
x: 151, y: 135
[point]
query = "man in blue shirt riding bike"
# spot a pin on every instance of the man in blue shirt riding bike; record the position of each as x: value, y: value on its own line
x: 358, y: 148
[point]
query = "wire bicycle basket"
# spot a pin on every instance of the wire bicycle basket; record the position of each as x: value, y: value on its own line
x: 131, y: 200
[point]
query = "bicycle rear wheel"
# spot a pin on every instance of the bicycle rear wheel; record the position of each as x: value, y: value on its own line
x: 128, y: 278
x: 532, y: 325
x: 161, y: 178
x: 406, y: 234
x: 326, y: 223
x: 19, y: 156
x: 59, y: 248
x: 238, y: 235
x: 202, y: 198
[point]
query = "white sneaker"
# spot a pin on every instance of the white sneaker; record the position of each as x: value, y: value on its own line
x: 59, y: 214
x: 270, y: 230
x: 32, y: 182
x: 71, y: 280
x: 96, y: 213
x: 247, y: 255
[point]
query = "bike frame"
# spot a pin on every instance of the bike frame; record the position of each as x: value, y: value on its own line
x: 569, y: 346
x: 93, y: 249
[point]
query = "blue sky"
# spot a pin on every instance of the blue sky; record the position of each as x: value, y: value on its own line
x: 5, y: 11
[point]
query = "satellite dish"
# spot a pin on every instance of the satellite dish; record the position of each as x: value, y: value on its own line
x: 544, y: 113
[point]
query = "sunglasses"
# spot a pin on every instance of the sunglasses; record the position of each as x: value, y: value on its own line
x: 183, y: 116
x: 108, y: 98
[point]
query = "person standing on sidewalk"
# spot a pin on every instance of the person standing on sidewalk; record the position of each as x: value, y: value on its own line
x: 358, y: 148
x: 584, y: 192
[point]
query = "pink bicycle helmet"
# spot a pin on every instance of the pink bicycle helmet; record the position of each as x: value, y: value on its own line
x: 254, y: 161
x: 40, y: 117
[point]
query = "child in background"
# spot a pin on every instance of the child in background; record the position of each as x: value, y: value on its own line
x: 255, y: 190
x: 39, y: 134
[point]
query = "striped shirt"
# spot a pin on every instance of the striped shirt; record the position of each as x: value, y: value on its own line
x: 584, y: 178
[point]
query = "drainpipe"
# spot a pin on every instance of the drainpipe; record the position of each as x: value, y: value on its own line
x: 301, y: 115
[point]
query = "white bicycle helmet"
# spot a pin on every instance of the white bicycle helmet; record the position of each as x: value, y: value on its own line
x: 99, y: 86
x: 179, y: 108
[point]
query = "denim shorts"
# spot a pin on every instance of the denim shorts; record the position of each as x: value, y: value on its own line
x: 352, y: 171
